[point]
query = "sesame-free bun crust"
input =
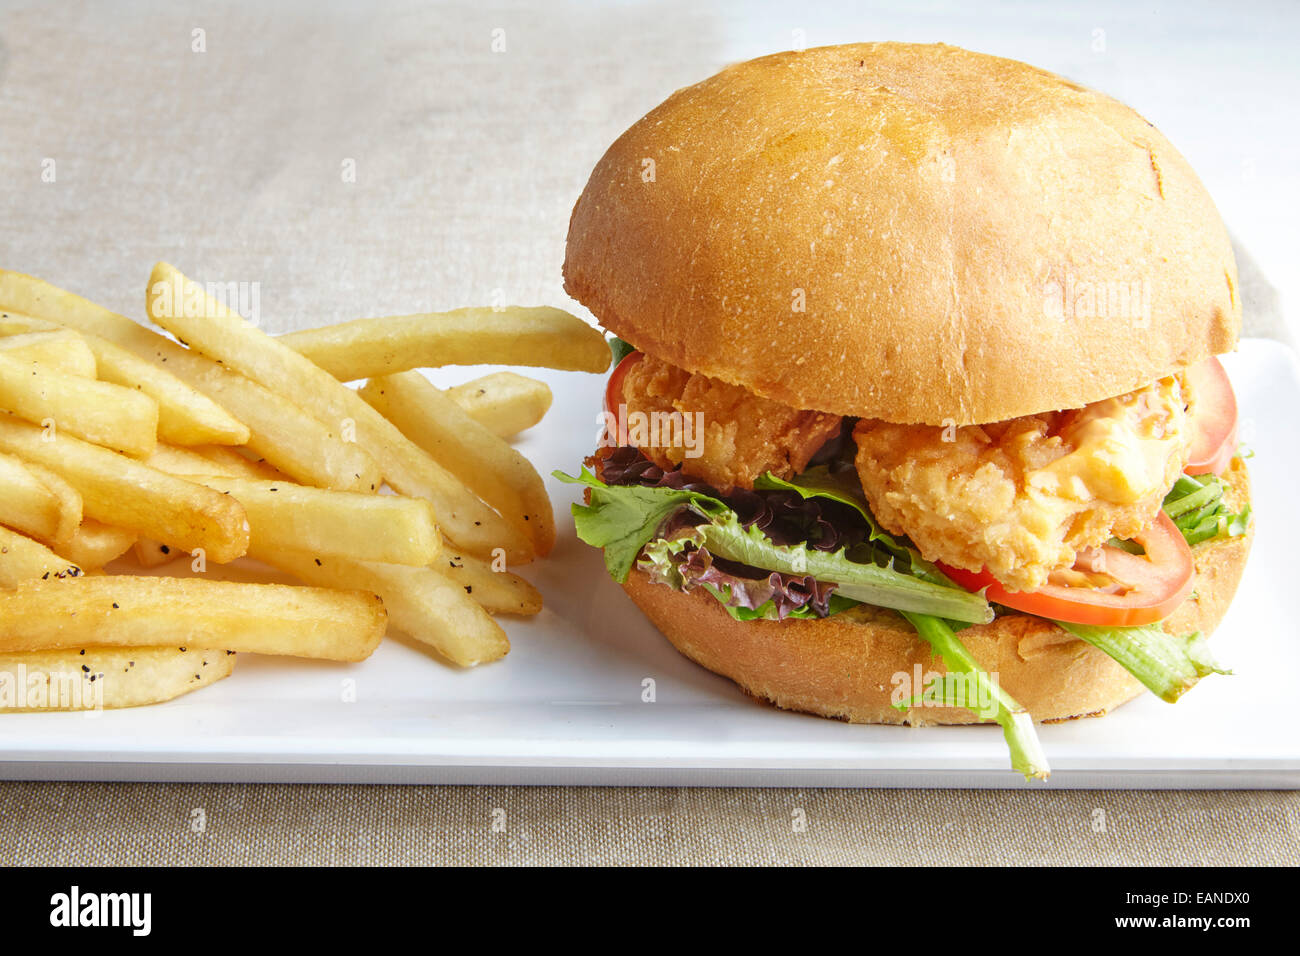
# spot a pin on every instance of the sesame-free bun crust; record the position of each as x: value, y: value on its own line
x: 931, y: 211
x: 843, y: 666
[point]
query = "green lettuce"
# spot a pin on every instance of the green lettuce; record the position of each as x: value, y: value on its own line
x: 1195, y: 503
x: 620, y: 349
x: 1017, y: 725
x: 820, y: 482
x: 623, y: 519
x: 661, y: 560
x: 726, y: 537
x: 1168, y: 665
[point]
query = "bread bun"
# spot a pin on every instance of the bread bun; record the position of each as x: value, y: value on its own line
x: 913, y: 233
x: 843, y: 666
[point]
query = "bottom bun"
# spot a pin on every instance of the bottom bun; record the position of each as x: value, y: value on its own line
x: 848, y: 666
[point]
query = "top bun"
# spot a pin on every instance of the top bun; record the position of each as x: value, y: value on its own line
x: 913, y: 233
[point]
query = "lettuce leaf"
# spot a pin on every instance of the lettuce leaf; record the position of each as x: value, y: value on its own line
x: 1195, y: 503
x: 746, y: 597
x: 1017, y: 725
x: 620, y: 349
x: 727, y: 538
x: 769, y: 611
x: 844, y: 487
x: 1168, y: 665
x: 623, y: 519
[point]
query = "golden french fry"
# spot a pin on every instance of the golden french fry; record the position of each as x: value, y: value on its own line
x: 22, y: 559
x: 128, y: 611
x: 499, y: 592
x: 388, y: 528
x: 69, y: 504
x: 184, y: 462
x: 152, y: 554
x: 209, y: 460
x: 540, y: 336
x: 233, y: 463
x: 95, y: 544
x: 505, y: 403
x: 488, y: 466
x: 108, y: 415
x: 36, y: 502
x: 104, y: 678
x: 223, y: 335
x: 62, y: 350
x: 293, y: 441
x: 120, y: 491
x: 281, y: 432
x: 185, y: 416
x: 421, y: 602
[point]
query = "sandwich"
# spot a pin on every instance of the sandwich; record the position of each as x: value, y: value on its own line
x: 917, y: 416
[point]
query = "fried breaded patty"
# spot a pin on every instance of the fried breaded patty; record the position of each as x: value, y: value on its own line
x: 742, y: 435
x: 1021, y: 497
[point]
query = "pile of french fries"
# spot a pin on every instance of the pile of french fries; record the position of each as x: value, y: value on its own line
x: 396, y: 503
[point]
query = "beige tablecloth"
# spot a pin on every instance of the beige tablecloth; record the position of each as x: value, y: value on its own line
x: 152, y: 824
x: 358, y: 159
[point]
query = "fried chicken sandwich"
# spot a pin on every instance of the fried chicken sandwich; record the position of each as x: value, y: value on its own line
x: 917, y: 417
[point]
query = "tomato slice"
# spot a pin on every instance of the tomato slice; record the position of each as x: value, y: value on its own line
x: 1107, y: 586
x: 1214, y: 441
x: 614, y: 389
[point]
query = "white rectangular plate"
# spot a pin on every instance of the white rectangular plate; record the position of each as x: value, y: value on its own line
x: 566, y: 706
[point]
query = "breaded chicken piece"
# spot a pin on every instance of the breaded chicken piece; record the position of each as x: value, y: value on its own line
x: 1021, y: 497
x: 743, y: 435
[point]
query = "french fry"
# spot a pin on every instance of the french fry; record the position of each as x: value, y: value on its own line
x: 120, y: 491
x: 36, y: 502
x: 499, y: 592
x: 209, y: 460
x: 281, y: 432
x: 127, y: 611
x: 152, y: 554
x: 421, y: 602
x: 22, y: 559
x: 235, y: 463
x: 69, y: 502
x: 108, y: 415
x: 488, y: 466
x: 104, y: 678
x: 184, y: 462
x: 185, y: 416
x: 62, y: 350
x: 224, y: 335
x: 505, y: 403
x: 367, y: 348
x: 387, y: 528
x: 296, y: 443
x: 95, y: 544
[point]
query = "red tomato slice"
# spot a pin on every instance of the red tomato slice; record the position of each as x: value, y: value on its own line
x: 1214, y: 441
x: 1107, y: 586
x: 614, y: 389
